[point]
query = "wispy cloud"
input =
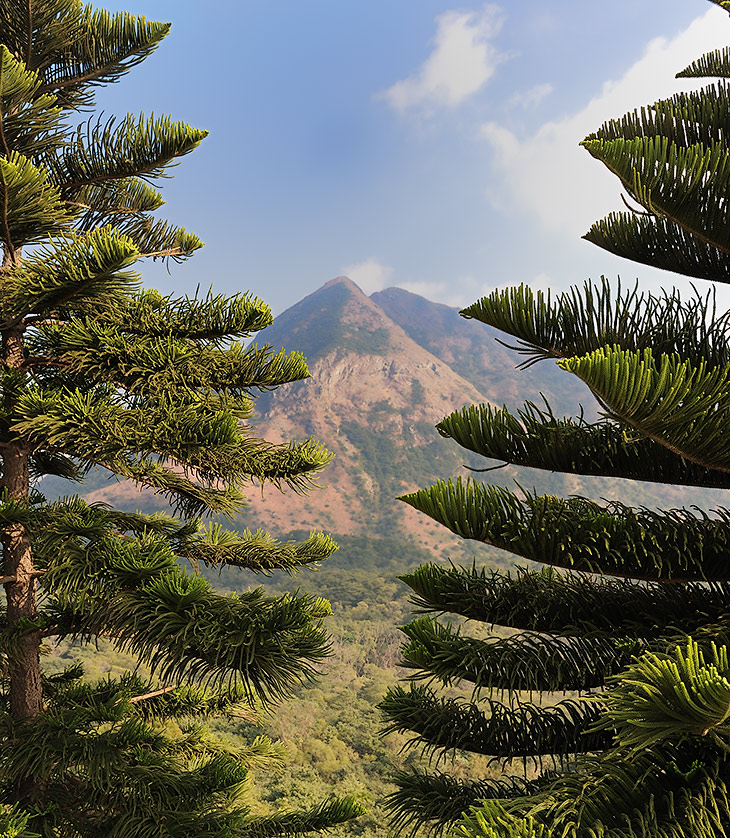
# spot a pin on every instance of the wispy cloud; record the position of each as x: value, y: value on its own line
x: 462, y: 60
x: 546, y: 173
x: 532, y: 97
x: 371, y: 275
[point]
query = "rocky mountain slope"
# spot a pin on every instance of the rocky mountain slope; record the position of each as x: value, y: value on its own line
x: 384, y: 370
x: 374, y: 398
x: 474, y: 351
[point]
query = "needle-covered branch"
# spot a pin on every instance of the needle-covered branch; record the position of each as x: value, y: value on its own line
x: 668, y: 696
x: 74, y: 47
x: 567, y: 603
x: 255, y: 551
x: 582, y: 320
x: 105, y: 769
x: 30, y: 122
x: 679, y: 791
x: 582, y: 535
x: 525, y: 662
x: 638, y: 581
x: 436, y: 801
x: 680, y: 404
x: 95, y: 372
x: 102, y: 151
x: 31, y: 208
x: 444, y: 725
x: 659, y: 242
x: 684, y: 184
x: 146, y: 365
x: 96, y: 427
x: 212, y: 317
x: 82, y: 273
x: 712, y: 64
x: 536, y: 438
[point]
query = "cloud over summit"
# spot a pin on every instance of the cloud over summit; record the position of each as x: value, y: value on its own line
x: 462, y: 60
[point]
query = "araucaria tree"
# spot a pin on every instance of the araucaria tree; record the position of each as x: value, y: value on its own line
x: 97, y: 372
x: 632, y: 606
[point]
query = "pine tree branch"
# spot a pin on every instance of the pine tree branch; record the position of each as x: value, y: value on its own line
x: 582, y: 535
x: 136, y: 148
x: 522, y: 662
x: 715, y: 64
x: 435, y: 801
x: 440, y: 726
x: 534, y: 437
x: 665, y: 178
x: 677, y: 403
x: 567, y: 603
x: 582, y: 320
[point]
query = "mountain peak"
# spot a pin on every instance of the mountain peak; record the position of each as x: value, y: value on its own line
x: 343, y: 280
x: 338, y: 317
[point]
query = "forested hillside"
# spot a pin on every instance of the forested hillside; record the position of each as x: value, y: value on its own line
x: 331, y: 730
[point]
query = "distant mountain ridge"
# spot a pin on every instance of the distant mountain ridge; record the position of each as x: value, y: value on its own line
x: 361, y: 361
x: 373, y: 399
x: 473, y: 350
x: 384, y: 370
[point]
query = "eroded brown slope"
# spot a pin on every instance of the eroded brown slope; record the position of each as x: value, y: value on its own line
x: 374, y: 398
x: 375, y: 394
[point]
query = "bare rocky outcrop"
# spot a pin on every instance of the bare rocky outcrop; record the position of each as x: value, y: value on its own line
x: 374, y: 392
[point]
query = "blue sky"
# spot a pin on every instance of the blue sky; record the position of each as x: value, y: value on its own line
x: 429, y: 145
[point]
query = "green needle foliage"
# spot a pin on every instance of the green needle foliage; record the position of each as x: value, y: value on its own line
x: 96, y: 372
x: 631, y: 607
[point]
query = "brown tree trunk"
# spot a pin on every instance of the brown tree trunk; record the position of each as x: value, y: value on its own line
x: 26, y: 698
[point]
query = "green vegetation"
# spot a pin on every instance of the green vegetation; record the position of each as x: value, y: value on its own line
x: 418, y: 394
x: 393, y: 464
x: 137, y: 693
x: 643, y: 750
x: 98, y: 373
x: 341, y: 578
x: 331, y: 730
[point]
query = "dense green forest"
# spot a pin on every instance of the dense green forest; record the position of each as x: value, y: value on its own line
x: 331, y: 730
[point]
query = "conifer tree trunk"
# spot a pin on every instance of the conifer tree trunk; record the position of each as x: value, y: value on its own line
x: 25, y: 670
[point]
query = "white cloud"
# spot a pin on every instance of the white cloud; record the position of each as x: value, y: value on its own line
x: 462, y: 60
x: 370, y: 275
x: 532, y: 97
x: 549, y: 175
